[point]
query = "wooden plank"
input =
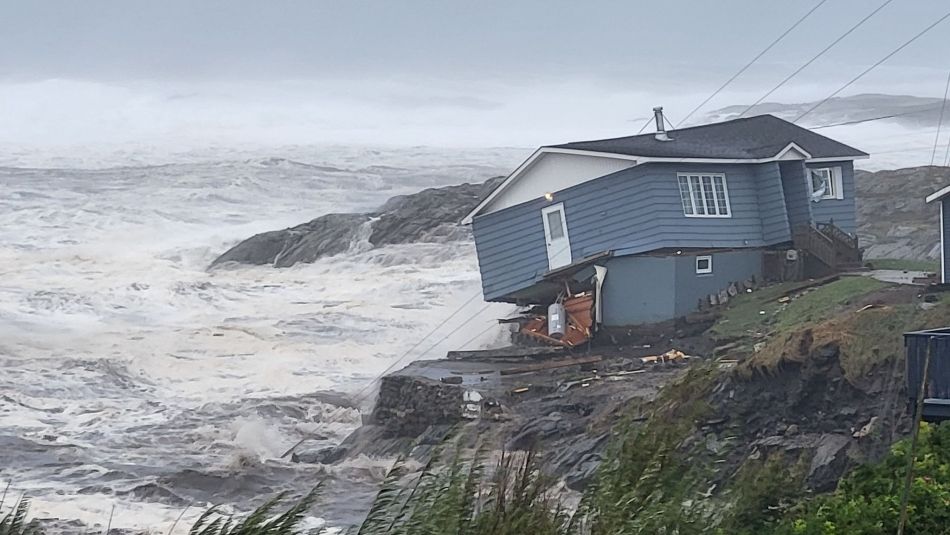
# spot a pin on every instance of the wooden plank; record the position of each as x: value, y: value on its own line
x: 551, y: 364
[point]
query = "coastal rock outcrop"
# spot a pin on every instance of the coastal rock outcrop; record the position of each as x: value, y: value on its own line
x: 431, y: 215
x: 893, y: 219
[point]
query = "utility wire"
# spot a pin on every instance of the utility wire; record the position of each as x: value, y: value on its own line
x: 361, y: 394
x: 644, y: 127
x: 940, y: 121
x: 815, y: 57
x: 891, y: 116
x: 874, y: 66
x: 750, y: 63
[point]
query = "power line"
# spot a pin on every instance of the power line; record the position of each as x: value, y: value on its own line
x: 891, y: 116
x: 815, y: 57
x: 940, y: 121
x: 642, y: 128
x: 749, y: 64
x: 359, y: 397
x: 874, y: 66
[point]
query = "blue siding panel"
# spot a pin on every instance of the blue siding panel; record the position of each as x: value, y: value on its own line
x: 797, y: 197
x: 728, y: 267
x: 510, y: 248
x: 945, y: 237
x: 639, y: 209
x: 840, y: 211
x: 639, y: 289
x: 648, y: 289
x: 775, y: 227
x: 633, y: 210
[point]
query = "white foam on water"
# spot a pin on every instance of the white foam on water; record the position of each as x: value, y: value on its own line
x: 121, y: 354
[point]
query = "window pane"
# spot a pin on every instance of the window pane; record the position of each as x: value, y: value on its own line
x: 555, y: 227
x: 696, y: 190
x: 821, y: 181
x: 708, y: 196
x: 703, y: 264
x: 684, y: 196
x: 718, y: 181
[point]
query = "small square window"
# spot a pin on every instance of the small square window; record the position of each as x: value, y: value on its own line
x: 825, y: 183
x: 703, y: 264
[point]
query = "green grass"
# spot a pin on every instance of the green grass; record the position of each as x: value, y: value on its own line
x: 757, y: 314
x: 904, y: 264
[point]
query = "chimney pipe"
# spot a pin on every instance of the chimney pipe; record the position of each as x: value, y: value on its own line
x: 660, y: 126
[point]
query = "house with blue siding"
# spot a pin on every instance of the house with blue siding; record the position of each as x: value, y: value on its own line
x: 669, y: 219
x: 943, y: 197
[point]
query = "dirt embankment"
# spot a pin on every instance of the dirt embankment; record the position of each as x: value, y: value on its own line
x: 817, y: 389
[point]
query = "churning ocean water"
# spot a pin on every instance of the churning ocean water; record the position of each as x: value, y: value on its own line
x: 133, y: 378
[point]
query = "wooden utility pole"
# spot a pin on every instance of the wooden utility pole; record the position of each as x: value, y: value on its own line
x: 909, y: 478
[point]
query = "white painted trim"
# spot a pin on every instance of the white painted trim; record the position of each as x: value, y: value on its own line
x: 559, y: 207
x: 792, y: 146
x: 838, y: 159
x: 836, y: 184
x: 467, y: 220
x: 837, y: 176
x: 707, y: 270
x: 943, y: 255
x: 613, y: 155
x: 938, y: 194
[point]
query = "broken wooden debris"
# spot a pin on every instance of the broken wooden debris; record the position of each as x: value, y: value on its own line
x: 673, y: 355
x: 552, y: 364
x: 521, y: 390
x: 580, y: 320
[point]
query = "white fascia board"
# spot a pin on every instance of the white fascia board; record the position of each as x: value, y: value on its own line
x: 937, y: 195
x: 467, y: 220
x: 791, y: 147
x: 838, y: 159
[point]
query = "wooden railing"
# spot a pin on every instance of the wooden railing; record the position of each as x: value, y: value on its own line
x: 845, y: 244
x: 828, y: 243
x: 816, y: 243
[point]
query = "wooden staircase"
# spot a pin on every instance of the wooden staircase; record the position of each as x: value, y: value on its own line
x: 830, y: 245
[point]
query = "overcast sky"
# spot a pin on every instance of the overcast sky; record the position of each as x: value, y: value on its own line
x: 394, y: 71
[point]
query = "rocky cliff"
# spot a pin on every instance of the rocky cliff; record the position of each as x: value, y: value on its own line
x: 430, y: 215
x: 893, y: 219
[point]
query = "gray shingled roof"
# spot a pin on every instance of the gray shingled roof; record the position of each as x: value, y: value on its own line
x: 762, y: 136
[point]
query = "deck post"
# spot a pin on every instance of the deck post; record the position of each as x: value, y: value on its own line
x: 909, y: 478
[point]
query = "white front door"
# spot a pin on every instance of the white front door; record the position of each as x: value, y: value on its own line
x: 555, y: 235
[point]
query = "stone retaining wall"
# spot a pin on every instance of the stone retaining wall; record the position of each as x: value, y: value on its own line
x: 408, y: 405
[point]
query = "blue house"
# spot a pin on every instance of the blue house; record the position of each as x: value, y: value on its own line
x: 670, y: 219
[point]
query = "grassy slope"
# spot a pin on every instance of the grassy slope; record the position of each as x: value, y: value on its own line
x: 904, y: 264
x: 676, y: 481
x: 754, y: 317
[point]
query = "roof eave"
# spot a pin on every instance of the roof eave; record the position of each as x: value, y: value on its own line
x: 937, y: 195
x: 467, y: 220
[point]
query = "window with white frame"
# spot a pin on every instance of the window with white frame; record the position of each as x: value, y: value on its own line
x: 703, y: 264
x: 704, y: 195
x: 825, y: 183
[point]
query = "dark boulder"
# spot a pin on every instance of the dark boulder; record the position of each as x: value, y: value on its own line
x: 432, y: 215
